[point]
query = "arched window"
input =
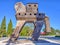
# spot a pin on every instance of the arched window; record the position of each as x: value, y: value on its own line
x: 34, y: 5
x: 19, y: 13
x: 25, y: 13
x: 29, y: 5
x: 30, y: 14
x: 34, y: 13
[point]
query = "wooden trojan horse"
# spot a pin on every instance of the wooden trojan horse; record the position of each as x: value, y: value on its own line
x: 29, y: 13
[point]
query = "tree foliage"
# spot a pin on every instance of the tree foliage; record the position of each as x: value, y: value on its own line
x: 9, y: 28
x: 26, y: 31
x: 3, y: 26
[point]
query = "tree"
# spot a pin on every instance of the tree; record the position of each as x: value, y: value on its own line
x: 0, y: 27
x: 57, y: 32
x: 3, y: 26
x: 26, y: 31
x: 10, y: 28
x: 0, y: 31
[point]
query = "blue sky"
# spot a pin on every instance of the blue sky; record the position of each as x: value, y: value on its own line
x: 50, y: 7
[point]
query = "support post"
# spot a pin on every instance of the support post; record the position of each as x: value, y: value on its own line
x: 17, y: 30
x: 37, y: 29
x: 47, y: 24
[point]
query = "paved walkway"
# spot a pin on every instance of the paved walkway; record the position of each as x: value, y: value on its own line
x: 51, y: 40
x: 19, y: 42
x: 41, y: 41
